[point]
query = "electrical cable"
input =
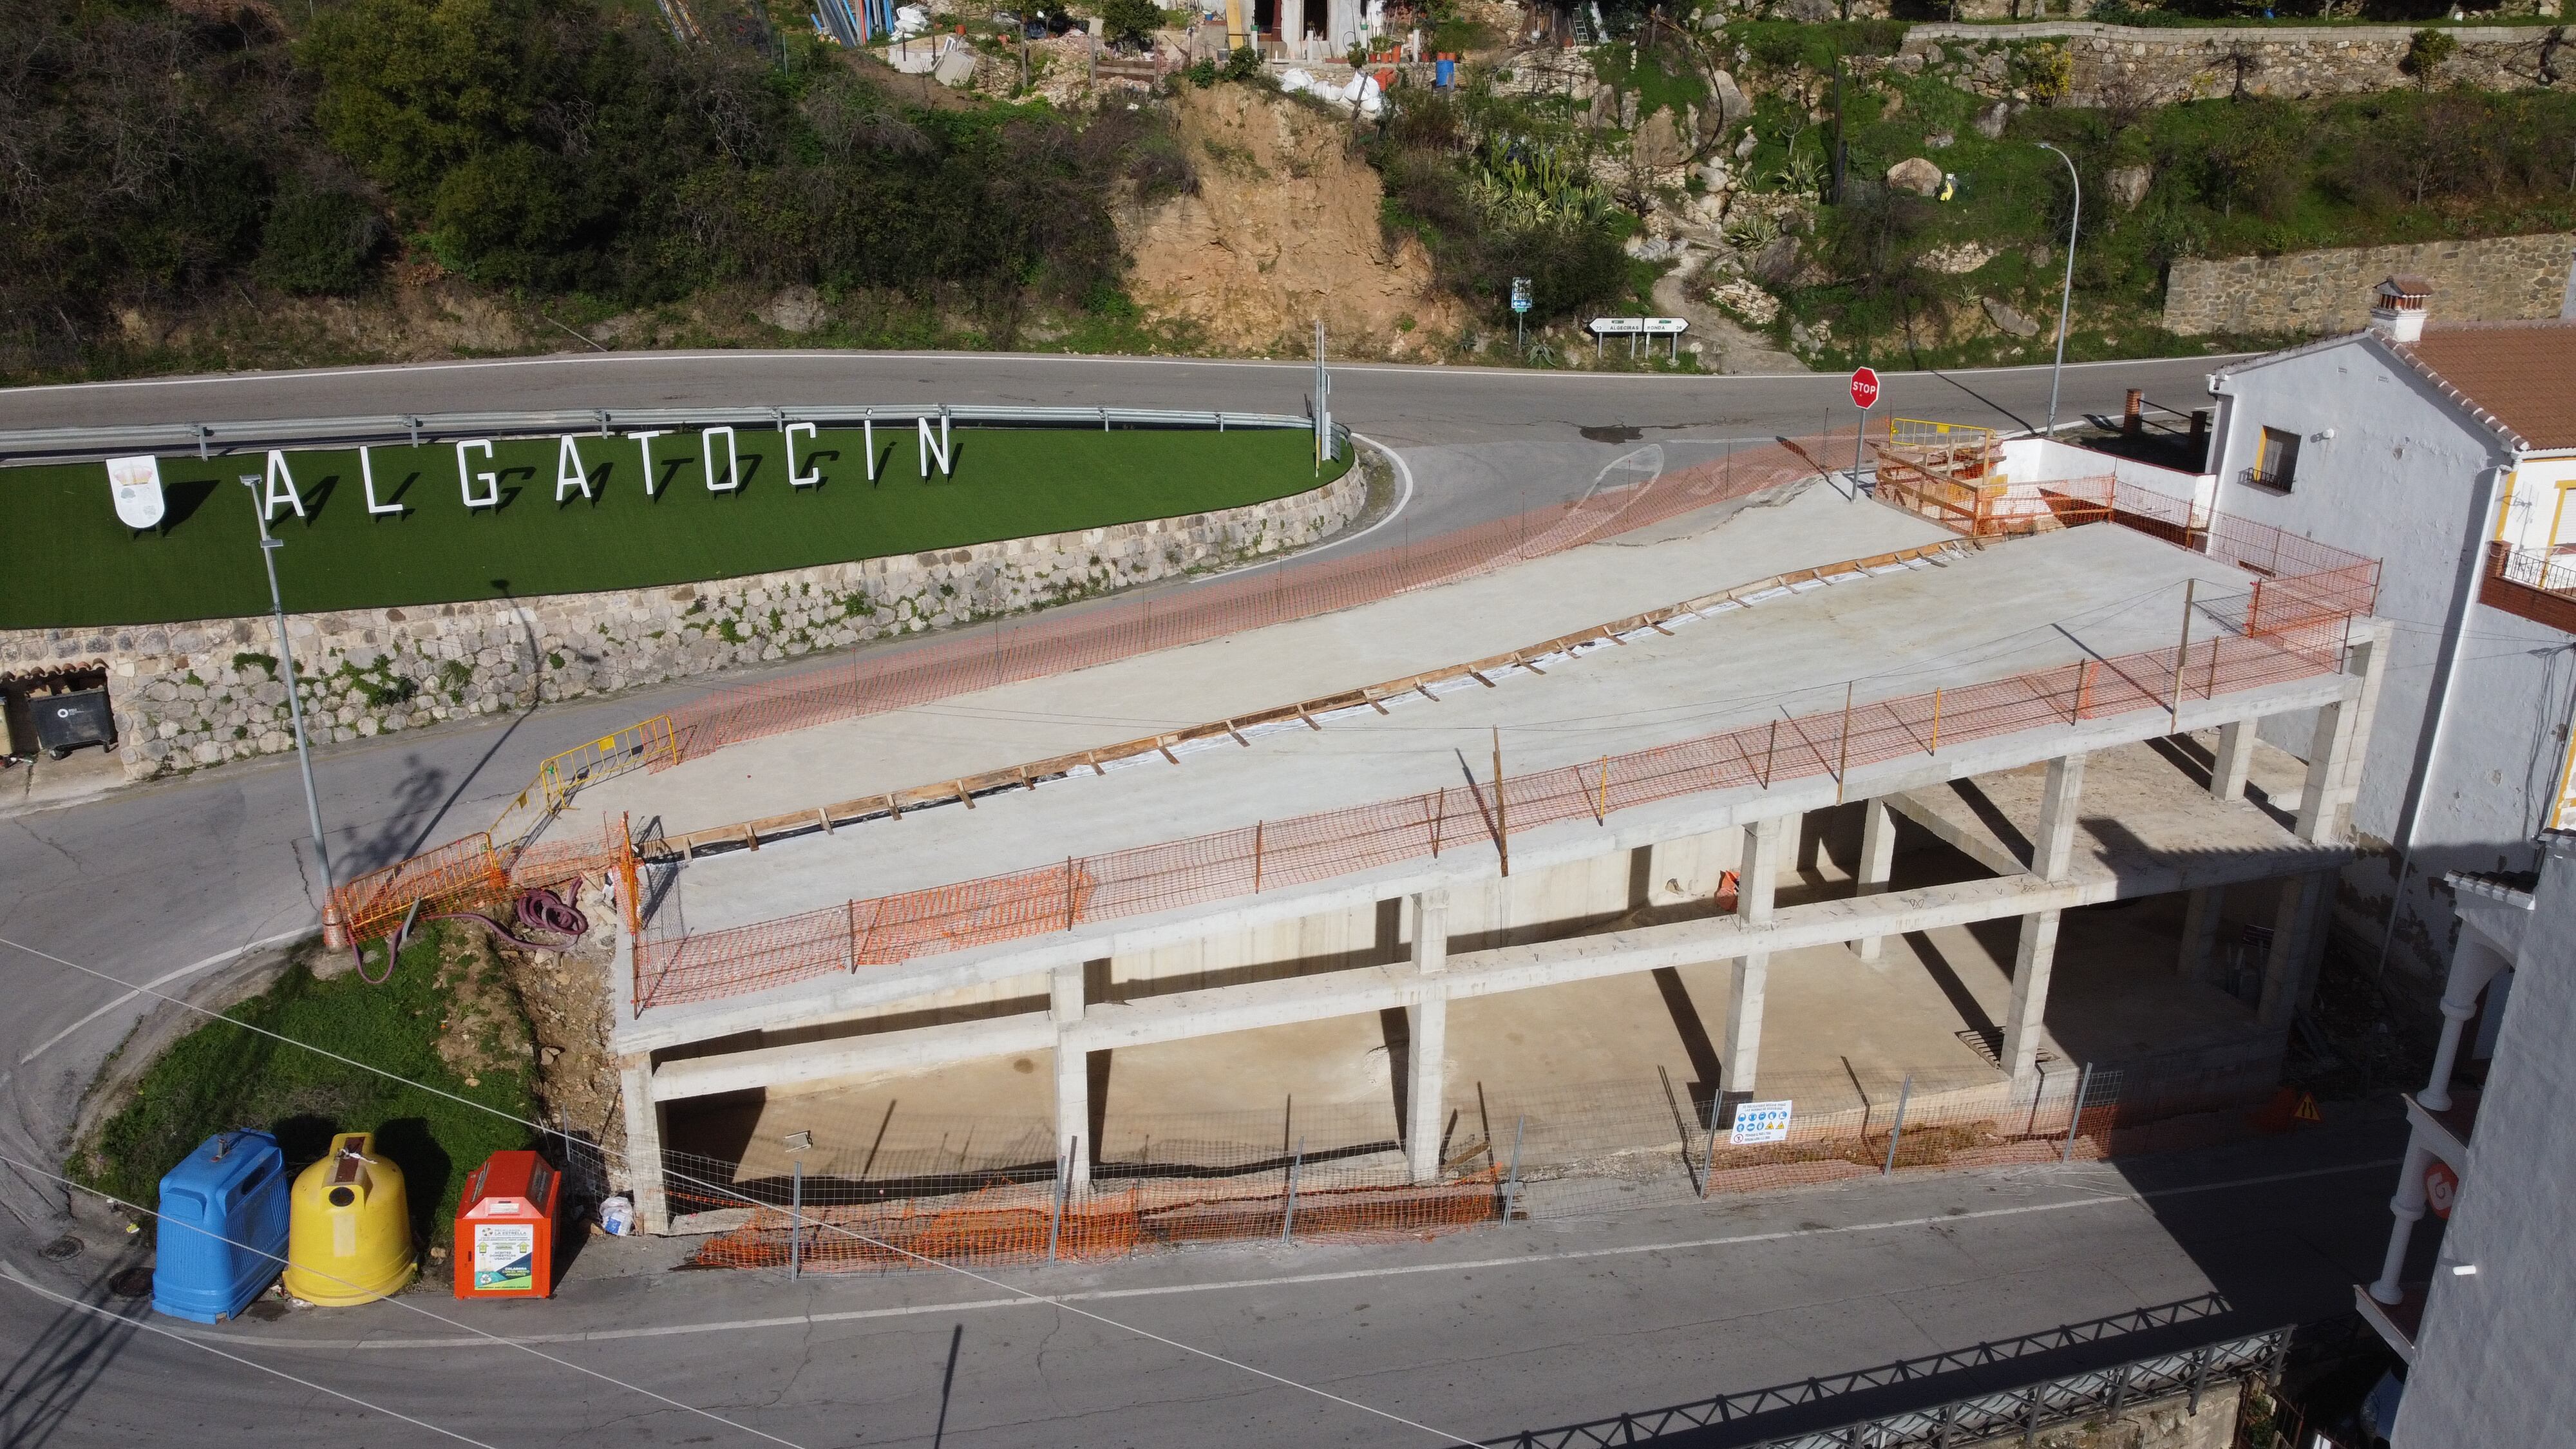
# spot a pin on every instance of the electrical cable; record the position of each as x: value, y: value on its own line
x: 92, y: 1308
x: 726, y: 1190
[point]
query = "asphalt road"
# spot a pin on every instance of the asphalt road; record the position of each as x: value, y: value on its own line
x: 1471, y: 1338
x: 1403, y: 406
x: 159, y: 883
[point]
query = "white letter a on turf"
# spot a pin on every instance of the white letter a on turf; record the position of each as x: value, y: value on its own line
x: 568, y: 474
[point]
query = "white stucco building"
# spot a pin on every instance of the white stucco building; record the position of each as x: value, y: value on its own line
x: 2448, y: 452
x: 2480, y: 1316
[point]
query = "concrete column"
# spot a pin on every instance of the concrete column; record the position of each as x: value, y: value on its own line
x: 2200, y: 919
x: 1072, y: 1073
x: 2408, y: 1208
x: 1292, y: 22
x: 643, y: 1143
x: 2052, y: 851
x: 2235, y: 759
x: 1757, y: 878
x: 1877, y: 863
x: 1426, y: 1075
x: 1743, y: 1048
x: 2436, y: 1095
x: 2295, y: 937
x: 2368, y: 654
x: 2032, y: 963
x: 2473, y: 964
x: 1756, y: 885
x: 2319, y: 798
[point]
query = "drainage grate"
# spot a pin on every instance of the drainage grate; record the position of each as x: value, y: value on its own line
x: 63, y: 1249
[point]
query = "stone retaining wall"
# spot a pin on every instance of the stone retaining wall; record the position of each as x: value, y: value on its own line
x: 194, y: 694
x: 2155, y: 66
x: 2499, y: 279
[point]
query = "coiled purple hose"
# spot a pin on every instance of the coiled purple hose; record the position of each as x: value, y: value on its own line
x: 555, y: 921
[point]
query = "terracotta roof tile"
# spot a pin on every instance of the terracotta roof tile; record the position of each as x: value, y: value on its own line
x: 2522, y: 374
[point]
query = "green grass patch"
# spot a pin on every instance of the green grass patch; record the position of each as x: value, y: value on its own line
x: 66, y: 560
x: 446, y: 1020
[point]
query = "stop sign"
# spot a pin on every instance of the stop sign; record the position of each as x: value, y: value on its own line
x: 1864, y: 388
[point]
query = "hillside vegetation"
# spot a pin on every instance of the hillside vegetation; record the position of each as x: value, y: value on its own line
x: 168, y: 157
x: 208, y: 183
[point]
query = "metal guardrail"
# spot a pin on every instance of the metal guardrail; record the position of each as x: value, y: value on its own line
x: 208, y: 439
x: 2022, y: 1411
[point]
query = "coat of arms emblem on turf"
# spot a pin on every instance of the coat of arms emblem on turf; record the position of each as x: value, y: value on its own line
x: 136, y: 482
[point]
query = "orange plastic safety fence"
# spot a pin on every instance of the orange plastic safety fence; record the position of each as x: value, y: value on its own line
x: 1026, y: 1223
x: 457, y: 876
x: 1243, y: 861
x: 1571, y: 1149
x: 466, y: 875
x: 1058, y: 643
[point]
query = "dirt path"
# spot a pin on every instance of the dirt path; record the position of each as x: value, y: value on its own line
x: 1727, y: 345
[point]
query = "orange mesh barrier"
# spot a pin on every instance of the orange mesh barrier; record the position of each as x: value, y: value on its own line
x: 1060, y: 642
x: 1022, y: 1223
x: 459, y: 875
x: 1230, y: 864
x: 1552, y: 1152
x: 466, y: 875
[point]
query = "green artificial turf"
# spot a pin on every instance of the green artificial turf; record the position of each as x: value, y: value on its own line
x: 66, y: 560
x: 222, y: 1076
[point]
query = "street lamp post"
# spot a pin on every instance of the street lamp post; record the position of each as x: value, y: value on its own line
x: 268, y: 548
x: 2066, y: 297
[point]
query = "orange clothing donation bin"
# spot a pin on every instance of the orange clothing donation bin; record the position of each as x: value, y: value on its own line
x: 505, y: 1228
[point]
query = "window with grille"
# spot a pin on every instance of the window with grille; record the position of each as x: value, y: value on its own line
x: 2276, y: 461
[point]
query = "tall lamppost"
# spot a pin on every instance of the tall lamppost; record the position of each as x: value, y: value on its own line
x: 2066, y: 297
x: 268, y: 548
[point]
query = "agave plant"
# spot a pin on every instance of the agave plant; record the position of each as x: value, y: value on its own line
x: 1751, y: 231
x: 1802, y: 173
x: 1524, y: 183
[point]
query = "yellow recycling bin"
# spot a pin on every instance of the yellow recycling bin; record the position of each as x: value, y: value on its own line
x: 349, y: 1231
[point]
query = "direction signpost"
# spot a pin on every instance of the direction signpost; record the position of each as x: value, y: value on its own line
x: 1633, y: 328
x: 1864, y: 396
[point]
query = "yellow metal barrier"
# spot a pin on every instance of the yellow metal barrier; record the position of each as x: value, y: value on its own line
x: 1922, y: 432
x: 595, y: 760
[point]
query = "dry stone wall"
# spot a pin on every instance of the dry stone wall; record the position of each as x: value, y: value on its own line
x: 195, y: 694
x: 2135, y: 65
x: 2498, y: 279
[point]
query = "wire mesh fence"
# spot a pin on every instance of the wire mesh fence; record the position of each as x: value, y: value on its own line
x: 471, y: 874
x: 2000, y: 1399
x: 1057, y: 643
x: 2302, y: 587
x: 856, y: 1191
x: 673, y: 967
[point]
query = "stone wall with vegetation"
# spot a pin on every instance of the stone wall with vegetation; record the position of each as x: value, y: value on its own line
x: 195, y: 694
x: 2158, y: 65
x: 2500, y: 279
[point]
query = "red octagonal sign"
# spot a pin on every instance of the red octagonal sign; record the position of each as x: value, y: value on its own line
x: 1864, y: 388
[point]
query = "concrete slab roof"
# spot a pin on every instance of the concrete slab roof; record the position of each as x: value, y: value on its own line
x: 2142, y: 811
x: 2021, y: 605
x: 1743, y: 540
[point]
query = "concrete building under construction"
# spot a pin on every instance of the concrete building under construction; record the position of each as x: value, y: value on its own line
x: 1737, y: 774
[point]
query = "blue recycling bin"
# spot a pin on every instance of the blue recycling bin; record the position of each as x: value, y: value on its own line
x: 223, y: 1227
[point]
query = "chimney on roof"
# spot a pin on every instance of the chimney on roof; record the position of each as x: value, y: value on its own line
x: 2397, y: 306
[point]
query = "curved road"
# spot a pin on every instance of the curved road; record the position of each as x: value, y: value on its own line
x: 159, y: 883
